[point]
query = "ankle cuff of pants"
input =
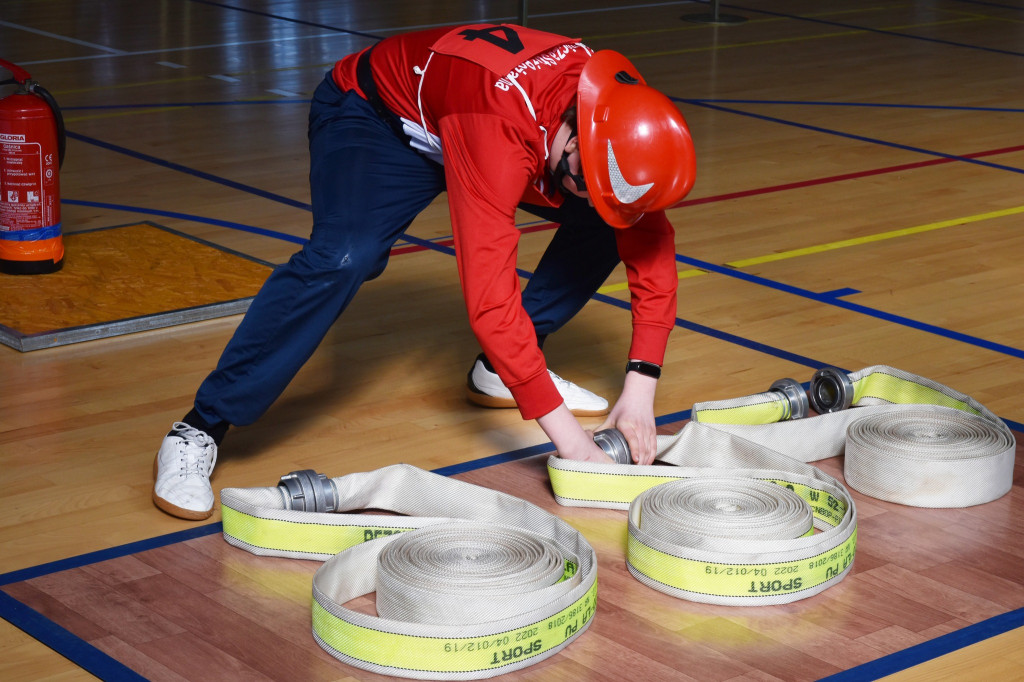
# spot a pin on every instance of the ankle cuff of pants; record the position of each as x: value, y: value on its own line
x: 217, y: 430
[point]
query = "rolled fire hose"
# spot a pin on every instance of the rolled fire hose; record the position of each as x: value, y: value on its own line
x: 945, y: 450
x: 471, y: 584
x: 907, y: 439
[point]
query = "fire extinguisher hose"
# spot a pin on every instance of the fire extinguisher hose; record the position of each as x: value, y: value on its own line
x: 58, y: 117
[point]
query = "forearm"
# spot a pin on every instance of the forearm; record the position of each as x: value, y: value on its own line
x: 639, y: 390
x: 569, y: 438
x: 633, y: 416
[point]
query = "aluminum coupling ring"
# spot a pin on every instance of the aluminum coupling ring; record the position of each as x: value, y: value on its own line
x: 794, y: 392
x: 831, y: 390
x: 614, y: 445
x: 309, y: 491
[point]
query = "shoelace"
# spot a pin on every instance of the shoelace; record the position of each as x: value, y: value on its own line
x: 559, y: 381
x: 193, y: 463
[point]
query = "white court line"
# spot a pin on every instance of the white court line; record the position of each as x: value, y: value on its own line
x: 334, y: 34
x: 104, y: 48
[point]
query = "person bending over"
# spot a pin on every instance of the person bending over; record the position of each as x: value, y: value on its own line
x: 502, y: 117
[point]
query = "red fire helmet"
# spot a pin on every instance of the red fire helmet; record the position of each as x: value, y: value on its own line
x: 635, y: 147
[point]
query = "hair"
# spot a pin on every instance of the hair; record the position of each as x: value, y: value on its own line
x: 569, y: 116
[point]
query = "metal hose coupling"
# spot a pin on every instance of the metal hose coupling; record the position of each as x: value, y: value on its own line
x: 309, y: 491
x: 614, y: 445
x: 831, y: 390
x: 794, y: 392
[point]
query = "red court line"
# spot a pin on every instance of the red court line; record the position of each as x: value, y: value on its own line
x: 448, y: 241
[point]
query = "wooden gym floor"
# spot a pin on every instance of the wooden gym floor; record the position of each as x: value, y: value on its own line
x: 858, y: 202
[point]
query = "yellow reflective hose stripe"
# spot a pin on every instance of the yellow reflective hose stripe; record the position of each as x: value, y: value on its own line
x: 290, y: 536
x: 601, y: 487
x: 740, y: 580
x: 903, y: 392
x: 453, y: 655
x: 624, y: 488
x: 761, y: 413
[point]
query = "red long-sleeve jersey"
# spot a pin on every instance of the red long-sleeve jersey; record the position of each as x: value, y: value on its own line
x: 486, y: 101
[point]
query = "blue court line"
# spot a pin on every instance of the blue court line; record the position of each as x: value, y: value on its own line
x: 186, y: 105
x: 211, y: 221
x: 838, y: 293
x: 70, y: 646
x: 107, y: 554
x: 866, y: 105
x: 831, y: 298
x: 989, y: 4
x: 868, y: 29
x: 190, y: 217
x: 932, y: 649
x: 52, y: 635
x: 530, y: 451
x: 288, y: 201
x: 726, y: 336
x: 860, y: 138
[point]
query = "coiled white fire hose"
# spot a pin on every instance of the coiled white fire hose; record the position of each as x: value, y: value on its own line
x: 471, y: 584
x: 936, y: 447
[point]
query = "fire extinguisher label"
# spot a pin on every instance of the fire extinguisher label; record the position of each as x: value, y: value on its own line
x: 27, y: 179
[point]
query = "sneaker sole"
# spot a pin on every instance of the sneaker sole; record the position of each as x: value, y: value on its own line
x: 173, y: 509
x: 484, y: 400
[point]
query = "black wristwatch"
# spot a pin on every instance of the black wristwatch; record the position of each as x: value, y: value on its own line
x: 648, y: 369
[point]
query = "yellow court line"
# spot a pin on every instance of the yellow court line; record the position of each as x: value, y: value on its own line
x: 876, y: 237
x: 682, y: 274
x: 841, y: 244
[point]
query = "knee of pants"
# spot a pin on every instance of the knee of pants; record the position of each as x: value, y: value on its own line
x: 344, y: 261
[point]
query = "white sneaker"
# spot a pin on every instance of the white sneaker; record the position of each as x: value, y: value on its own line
x: 484, y: 388
x: 182, y: 470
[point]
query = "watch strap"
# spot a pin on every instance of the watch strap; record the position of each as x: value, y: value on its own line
x: 643, y: 367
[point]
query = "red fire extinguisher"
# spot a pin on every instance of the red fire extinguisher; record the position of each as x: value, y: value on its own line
x: 31, y: 153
